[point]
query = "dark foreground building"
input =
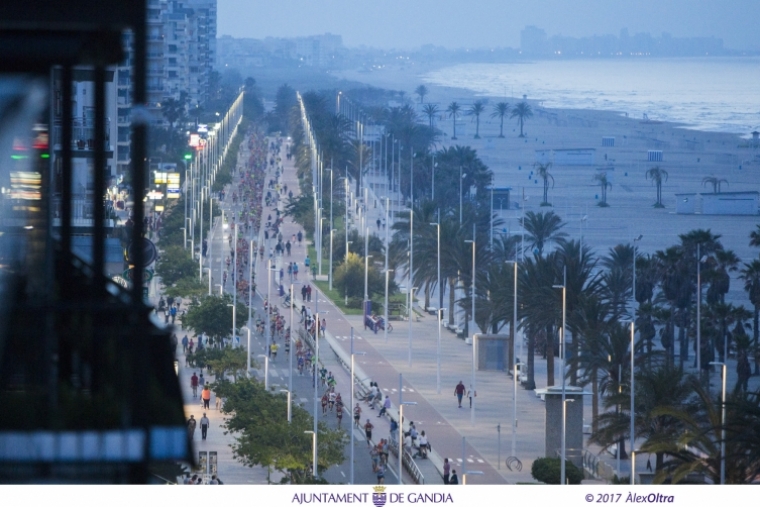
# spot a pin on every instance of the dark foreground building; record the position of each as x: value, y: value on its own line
x: 88, y: 388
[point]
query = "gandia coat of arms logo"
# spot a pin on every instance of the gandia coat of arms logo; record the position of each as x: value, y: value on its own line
x: 379, y: 496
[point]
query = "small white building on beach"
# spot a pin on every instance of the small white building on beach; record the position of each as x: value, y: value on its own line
x: 720, y: 203
x: 568, y: 157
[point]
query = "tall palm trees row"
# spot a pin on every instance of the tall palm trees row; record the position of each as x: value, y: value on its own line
x: 522, y: 111
x: 599, y: 298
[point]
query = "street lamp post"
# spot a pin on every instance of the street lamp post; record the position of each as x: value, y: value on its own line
x: 700, y: 260
x: 352, y: 399
x: 562, y: 365
x: 269, y: 301
x: 411, y: 312
x: 470, y: 472
x: 401, y: 439
x: 332, y: 231
x: 472, y: 379
x: 367, y: 256
x: 233, y: 322
x: 562, y: 479
x: 438, y: 311
x: 385, y: 305
x: 290, y: 347
x: 289, y: 398
x: 635, y: 252
x: 313, y: 452
x: 633, y: 429
x: 210, y: 240
x: 200, y: 239
x: 345, y: 262
x: 248, y: 353
x: 234, y: 282
x: 514, y: 364
x: 221, y: 250
x: 461, y: 189
x: 209, y: 280
x: 266, y: 371
x: 722, y: 422
x: 472, y: 289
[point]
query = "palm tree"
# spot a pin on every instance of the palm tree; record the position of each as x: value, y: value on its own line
x: 715, y: 182
x: 542, y: 228
x: 604, y: 183
x: 697, y: 447
x: 454, y: 111
x: 542, y: 170
x: 578, y: 264
x: 522, y: 112
x: 593, y: 359
x: 476, y: 110
x: 421, y: 90
x: 541, y: 311
x: 661, y: 386
x: 754, y: 237
x: 500, y: 110
x: 751, y: 276
x: 656, y: 174
x: 430, y: 110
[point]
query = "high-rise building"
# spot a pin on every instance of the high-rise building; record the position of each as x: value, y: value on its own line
x: 181, y: 52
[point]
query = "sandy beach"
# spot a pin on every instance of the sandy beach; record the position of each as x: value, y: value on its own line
x: 688, y: 157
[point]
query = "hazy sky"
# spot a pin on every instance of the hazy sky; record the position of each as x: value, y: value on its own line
x: 487, y: 23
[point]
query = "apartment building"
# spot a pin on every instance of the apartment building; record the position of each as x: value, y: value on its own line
x: 181, y: 51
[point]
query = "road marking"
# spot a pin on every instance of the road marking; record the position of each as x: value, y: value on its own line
x: 341, y: 473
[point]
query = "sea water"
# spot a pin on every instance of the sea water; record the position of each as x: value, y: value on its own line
x: 718, y: 94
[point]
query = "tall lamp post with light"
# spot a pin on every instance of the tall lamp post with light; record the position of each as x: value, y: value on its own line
x: 472, y: 289
x: 401, y: 439
x: 385, y: 306
x: 562, y: 366
x: 353, y: 354
x: 514, y: 364
x: 313, y: 452
x: 722, y: 422
x: 438, y: 344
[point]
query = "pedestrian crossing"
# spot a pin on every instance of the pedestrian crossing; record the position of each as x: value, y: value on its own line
x: 344, y: 338
x: 470, y: 460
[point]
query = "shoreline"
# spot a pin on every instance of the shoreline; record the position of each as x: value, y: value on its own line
x: 406, y: 78
x: 689, y: 156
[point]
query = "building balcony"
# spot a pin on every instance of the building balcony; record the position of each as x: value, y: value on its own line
x: 82, y: 138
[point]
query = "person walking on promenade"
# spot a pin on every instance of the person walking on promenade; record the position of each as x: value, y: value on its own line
x: 446, y: 470
x: 206, y: 397
x: 201, y: 381
x: 470, y: 393
x: 386, y: 406
x: 191, y: 424
x: 459, y: 392
x: 368, y: 432
x: 194, y: 384
x: 185, y: 342
x: 380, y: 474
x: 204, y: 426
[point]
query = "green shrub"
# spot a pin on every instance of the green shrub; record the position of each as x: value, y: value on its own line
x: 548, y: 471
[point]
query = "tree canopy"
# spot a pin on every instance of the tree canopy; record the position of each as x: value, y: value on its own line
x: 258, y: 420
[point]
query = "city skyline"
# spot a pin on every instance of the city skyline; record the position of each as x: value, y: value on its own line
x: 399, y: 25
